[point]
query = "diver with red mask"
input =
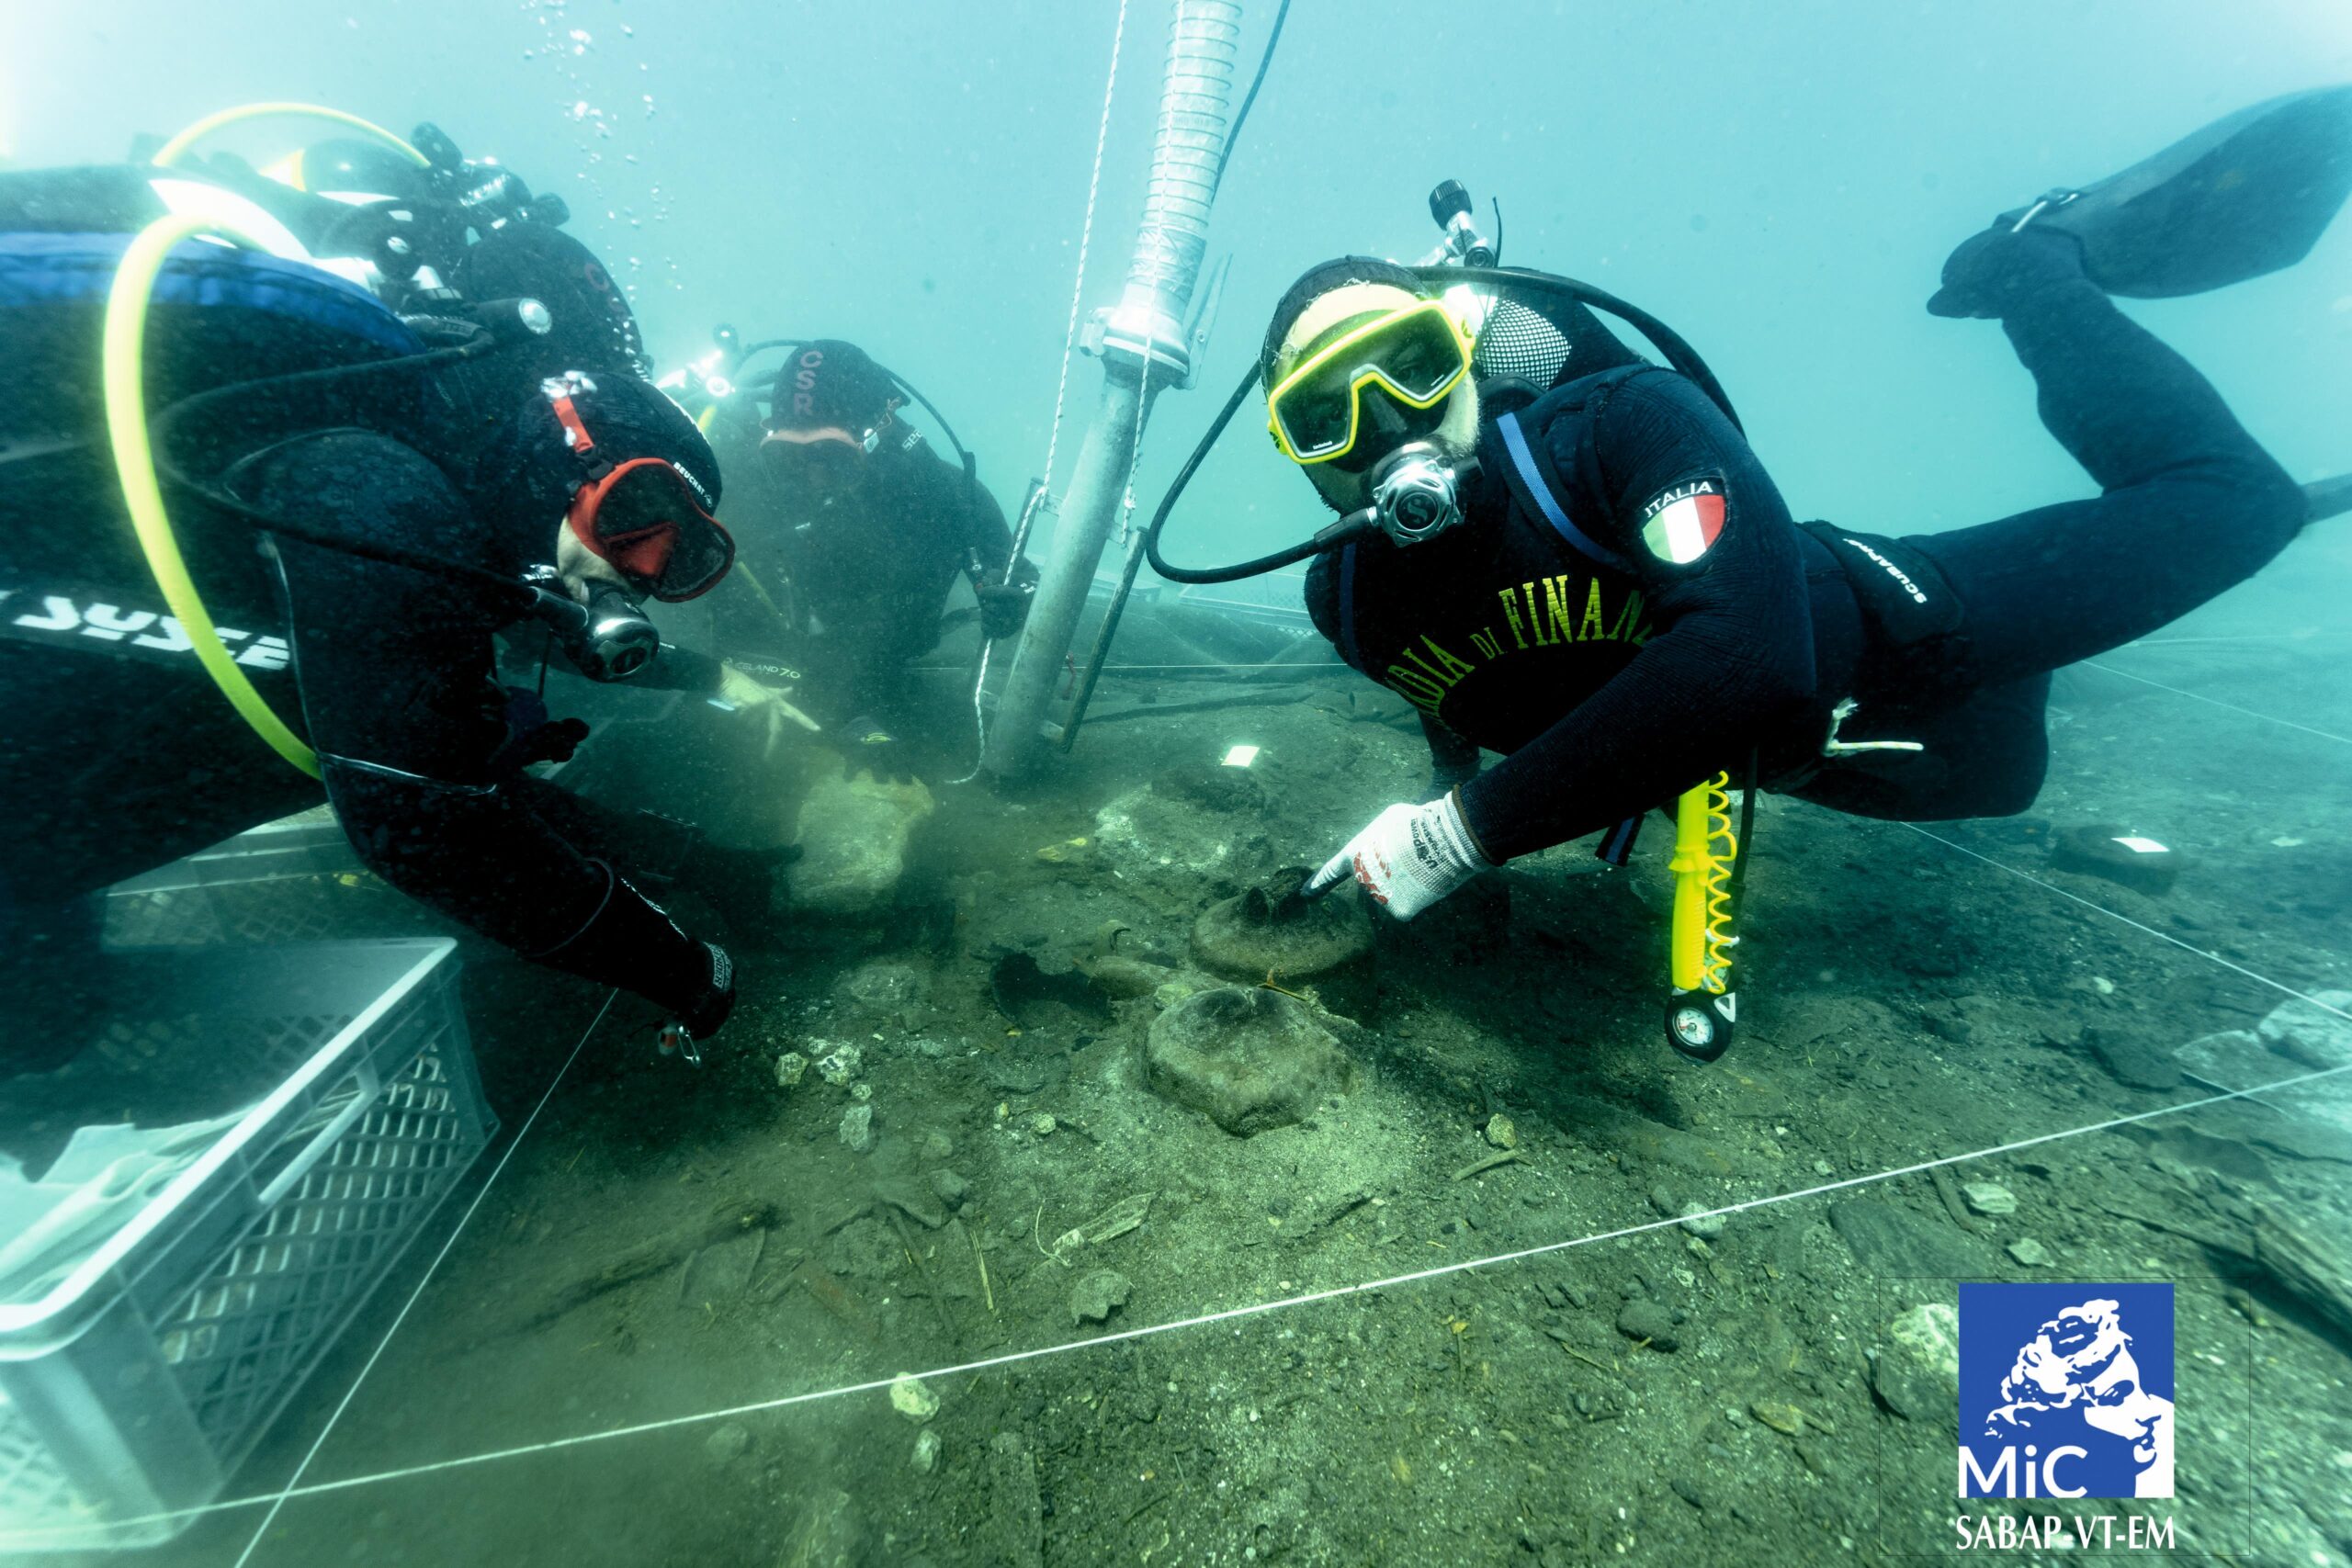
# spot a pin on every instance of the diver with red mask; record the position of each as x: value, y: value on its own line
x: 862, y: 528
x: 366, y: 502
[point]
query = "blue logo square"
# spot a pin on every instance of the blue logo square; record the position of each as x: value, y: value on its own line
x: 2065, y: 1391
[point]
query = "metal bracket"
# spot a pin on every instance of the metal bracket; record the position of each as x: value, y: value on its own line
x: 1832, y: 746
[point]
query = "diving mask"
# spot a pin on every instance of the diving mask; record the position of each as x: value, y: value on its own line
x: 645, y: 516
x: 1417, y: 355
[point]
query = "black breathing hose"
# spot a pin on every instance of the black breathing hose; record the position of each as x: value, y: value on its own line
x: 1352, y: 526
x: 1358, y: 524
x: 1677, y: 352
x: 1242, y: 119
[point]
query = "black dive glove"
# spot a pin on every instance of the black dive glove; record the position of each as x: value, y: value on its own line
x: 1004, y: 607
x: 632, y: 943
x: 868, y: 749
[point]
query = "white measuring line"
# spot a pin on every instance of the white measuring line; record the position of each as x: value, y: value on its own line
x: 293, y: 1490
x: 2175, y: 691
x: 2135, y: 925
x: 1230, y: 1315
x: 294, y: 1482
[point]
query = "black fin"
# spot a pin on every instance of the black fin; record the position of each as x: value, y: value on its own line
x: 2249, y: 194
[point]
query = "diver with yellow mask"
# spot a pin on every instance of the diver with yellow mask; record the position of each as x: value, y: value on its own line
x: 1560, y: 552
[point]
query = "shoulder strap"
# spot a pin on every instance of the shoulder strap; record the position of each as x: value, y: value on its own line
x: 1535, y: 486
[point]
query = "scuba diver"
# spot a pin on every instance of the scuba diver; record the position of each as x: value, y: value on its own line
x: 361, y: 501
x: 1592, y: 573
x: 860, y: 528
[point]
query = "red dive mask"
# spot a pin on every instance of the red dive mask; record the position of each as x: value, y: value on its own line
x: 644, y: 515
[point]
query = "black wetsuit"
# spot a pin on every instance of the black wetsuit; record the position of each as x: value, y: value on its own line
x: 854, y: 583
x: 1615, y: 677
x: 120, y: 753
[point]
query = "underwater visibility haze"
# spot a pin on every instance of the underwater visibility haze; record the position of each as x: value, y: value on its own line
x: 1176, y: 782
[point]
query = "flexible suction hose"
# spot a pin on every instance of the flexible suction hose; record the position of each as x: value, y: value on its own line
x: 1187, y: 159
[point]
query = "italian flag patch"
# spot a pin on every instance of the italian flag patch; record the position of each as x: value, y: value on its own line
x: 1682, y: 523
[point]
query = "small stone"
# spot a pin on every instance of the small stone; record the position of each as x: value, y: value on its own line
x: 861, y: 1092
x: 913, y: 1398
x: 731, y: 1440
x: 790, y: 1069
x: 1042, y: 1125
x: 926, y: 1454
x: 1917, y: 1370
x: 1500, y: 1133
x: 2317, y: 1036
x: 2129, y: 1060
x: 883, y: 987
x: 1778, y: 1415
x: 950, y: 1188
x: 840, y: 1065
x: 1988, y: 1198
x: 857, y: 1129
x: 2117, y: 854
x: 1097, y: 1293
x: 1701, y: 1224
x: 2029, y: 1252
x: 1648, y: 1320
x: 937, y: 1144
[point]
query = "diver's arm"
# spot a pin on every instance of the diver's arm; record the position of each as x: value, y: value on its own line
x: 1453, y: 762
x: 401, y: 701
x: 986, y: 535
x: 1735, y: 657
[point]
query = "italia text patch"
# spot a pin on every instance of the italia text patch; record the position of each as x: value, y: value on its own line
x: 1683, y: 522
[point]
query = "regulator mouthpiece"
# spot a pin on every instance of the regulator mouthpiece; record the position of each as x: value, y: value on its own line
x: 608, y: 638
x: 1416, y: 494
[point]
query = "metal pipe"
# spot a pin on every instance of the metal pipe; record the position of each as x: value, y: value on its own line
x: 1145, y: 347
x: 1087, y: 518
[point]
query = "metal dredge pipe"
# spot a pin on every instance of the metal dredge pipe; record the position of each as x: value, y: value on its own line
x: 1145, y: 348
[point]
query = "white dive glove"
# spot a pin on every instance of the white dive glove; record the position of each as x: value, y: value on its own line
x: 1409, y: 858
x: 765, y: 704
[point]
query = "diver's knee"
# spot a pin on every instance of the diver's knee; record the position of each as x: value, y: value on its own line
x: 2011, y: 790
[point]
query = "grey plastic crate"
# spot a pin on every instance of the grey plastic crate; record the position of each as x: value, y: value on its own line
x: 135, y: 1384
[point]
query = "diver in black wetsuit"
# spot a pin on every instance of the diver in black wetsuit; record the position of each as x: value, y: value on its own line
x: 411, y: 504
x: 864, y: 528
x: 1604, y: 584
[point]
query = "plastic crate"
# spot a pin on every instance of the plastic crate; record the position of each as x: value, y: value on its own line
x: 297, y: 879
x: 135, y: 1384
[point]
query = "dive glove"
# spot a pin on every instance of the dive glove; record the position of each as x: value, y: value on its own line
x: 1409, y: 858
x: 868, y: 749
x: 1004, y: 607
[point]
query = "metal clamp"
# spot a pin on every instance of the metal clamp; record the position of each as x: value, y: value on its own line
x: 1832, y: 746
x: 2058, y: 196
x: 676, y: 1039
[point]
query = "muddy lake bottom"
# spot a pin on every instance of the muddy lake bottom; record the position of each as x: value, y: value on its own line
x: 668, y: 1242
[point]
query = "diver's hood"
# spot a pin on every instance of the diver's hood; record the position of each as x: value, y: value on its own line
x: 595, y: 328
x: 522, y: 478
